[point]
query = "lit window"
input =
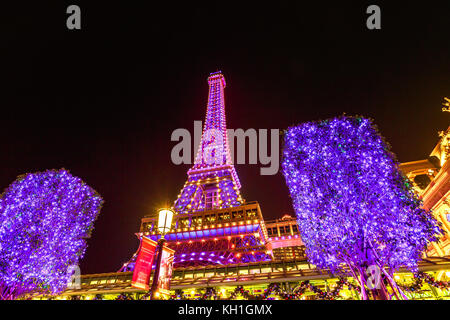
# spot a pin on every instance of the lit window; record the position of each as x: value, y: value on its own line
x: 211, y: 200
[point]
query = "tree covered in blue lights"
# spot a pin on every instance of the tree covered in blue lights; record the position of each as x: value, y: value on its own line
x: 45, y: 219
x: 354, y: 207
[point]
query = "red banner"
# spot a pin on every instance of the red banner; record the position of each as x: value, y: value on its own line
x: 143, y: 265
x: 165, y: 271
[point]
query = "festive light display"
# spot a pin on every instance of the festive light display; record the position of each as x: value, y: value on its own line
x: 420, y: 278
x: 272, y: 289
x: 301, y: 291
x: 212, y: 181
x: 45, y: 218
x: 353, y: 205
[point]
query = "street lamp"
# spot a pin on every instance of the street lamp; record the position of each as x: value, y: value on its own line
x: 165, y: 217
x: 164, y: 221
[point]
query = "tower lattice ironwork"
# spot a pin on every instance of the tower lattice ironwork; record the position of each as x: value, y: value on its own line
x: 212, y: 181
x: 214, y: 224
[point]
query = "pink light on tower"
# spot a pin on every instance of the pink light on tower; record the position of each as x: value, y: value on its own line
x: 212, y: 181
x: 219, y: 236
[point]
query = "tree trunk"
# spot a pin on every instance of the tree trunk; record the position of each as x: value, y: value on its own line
x: 394, y: 291
x: 381, y: 292
x: 362, y: 281
x: 391, y: 281
x: 394, y: 284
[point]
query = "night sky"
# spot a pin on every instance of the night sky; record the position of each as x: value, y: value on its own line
x: 103, y: 101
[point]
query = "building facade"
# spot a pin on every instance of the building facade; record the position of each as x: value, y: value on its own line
x: 431, y: 180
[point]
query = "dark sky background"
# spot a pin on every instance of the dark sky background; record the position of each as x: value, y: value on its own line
x: 103, y: 101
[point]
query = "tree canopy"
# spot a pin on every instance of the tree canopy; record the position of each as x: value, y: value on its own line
x: 353, y: 204
x: 45, y: 218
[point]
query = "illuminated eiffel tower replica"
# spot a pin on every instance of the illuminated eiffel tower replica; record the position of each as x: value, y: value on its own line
x: 214, y: 225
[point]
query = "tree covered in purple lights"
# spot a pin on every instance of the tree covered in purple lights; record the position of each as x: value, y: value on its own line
x: 45, y: 219
x: 354, y: 207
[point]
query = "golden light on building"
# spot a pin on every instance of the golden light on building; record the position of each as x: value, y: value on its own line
x: 446, y: 105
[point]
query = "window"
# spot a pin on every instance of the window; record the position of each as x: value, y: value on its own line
x: 184, y: 222
x: 243, y: 271
x: 238, y: 214
x: 294, y: 228
x: 211, y: 200
x: 269, y: 231
x: 281, y: 230
x: 251, y: 213
x: 198, y: 221
x: 266, y: 270
x: 147, y: 227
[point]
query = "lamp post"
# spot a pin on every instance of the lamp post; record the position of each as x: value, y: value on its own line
x: 164, y: 224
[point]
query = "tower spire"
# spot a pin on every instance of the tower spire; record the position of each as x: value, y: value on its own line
x: 214, y: 150
x: 212, y: 180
